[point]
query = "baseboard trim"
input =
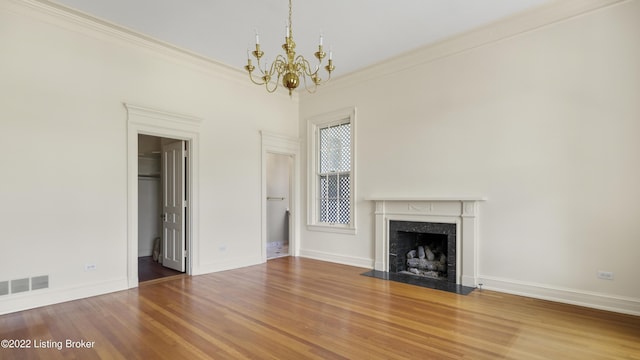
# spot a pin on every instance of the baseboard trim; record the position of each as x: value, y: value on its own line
x: 228, y: 264
x: 38, y: 298
x: 594, y: 300
x: 339, y: 259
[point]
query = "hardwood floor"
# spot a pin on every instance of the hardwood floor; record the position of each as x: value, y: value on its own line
x: 293, y: 308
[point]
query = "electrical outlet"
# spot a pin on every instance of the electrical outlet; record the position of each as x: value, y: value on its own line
x: 90, y: 267
x: 605, y: 275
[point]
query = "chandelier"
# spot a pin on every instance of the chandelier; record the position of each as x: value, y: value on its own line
x: 289, y: 68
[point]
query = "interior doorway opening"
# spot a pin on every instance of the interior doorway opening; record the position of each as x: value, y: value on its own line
x: 162, y: 207
x: 279, y: 168
x: 286, y: 151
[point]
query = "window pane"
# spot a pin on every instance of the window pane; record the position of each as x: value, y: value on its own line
x: 344, y: 157
x: 335, y: 198
x: 345, y: 200
x: 332, y: 211
x: 343, y: 209
x: 323, y: 210
x: 332, y: 187
x: 324, y: 191
x: 335, y: 148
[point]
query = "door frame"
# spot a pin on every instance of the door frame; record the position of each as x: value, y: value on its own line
x: 283, y: 145
x: 154, y: 122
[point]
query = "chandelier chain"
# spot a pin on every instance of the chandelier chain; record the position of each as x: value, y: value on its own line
x: 290, y: 26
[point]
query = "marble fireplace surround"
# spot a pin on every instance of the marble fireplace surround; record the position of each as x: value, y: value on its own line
x: 461, y: 211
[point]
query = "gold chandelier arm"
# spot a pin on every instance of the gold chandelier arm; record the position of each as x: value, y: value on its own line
x: 328, y: 78
x: 264, y: 76
x: 304, y: 66
x: 312, y: 74
x: 254, y: 81
x: 275, y: 85
x: 308, y: 89
x: 279, y: 65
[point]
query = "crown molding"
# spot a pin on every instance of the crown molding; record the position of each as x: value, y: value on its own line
x: 515, y: 25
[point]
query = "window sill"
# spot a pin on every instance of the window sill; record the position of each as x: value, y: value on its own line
x: 339, y: 229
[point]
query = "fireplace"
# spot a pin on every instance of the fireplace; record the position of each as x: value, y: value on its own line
x: 424, y: 249
x: 426, y: 222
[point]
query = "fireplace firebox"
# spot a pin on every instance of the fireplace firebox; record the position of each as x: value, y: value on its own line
x: 424, y: 249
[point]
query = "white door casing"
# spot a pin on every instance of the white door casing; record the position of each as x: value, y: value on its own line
x: 173, y: 206
x: 285, y: 145
x: 155, y: 122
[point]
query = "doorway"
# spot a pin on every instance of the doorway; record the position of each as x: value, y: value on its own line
x: 278, y: 204
x: 280, y: 192
x: 166, y: 124
x: 162, y: 191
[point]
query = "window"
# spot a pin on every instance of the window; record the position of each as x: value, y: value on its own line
x: 334, y: 193
x: 331, y: 190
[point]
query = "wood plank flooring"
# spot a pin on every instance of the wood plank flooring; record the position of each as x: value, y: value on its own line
x: 293, y: 308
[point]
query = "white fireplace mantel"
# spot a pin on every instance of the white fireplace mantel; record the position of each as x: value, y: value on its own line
x: 459, y: 210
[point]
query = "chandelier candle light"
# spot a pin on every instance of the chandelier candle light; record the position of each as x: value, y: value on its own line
x: 289, y: 68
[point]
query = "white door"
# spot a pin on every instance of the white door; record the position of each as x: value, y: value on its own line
x: 173, y: 206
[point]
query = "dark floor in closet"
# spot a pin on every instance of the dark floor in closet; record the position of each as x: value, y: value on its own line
x: 151, y: 270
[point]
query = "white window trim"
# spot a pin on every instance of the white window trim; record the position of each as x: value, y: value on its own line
x: 313, y: 125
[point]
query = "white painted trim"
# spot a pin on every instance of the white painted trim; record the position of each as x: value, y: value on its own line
x: 313, y: 124
x: 594, y: 300
x: 333, y: 228
x: 45, y: 297
x: 284, y: 145
x: 426, y: 198
x: 143, y: 120
x: 161, y: 118
x: 338, y: 258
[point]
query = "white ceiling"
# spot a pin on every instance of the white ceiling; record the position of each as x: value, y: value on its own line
x: 359, y: 32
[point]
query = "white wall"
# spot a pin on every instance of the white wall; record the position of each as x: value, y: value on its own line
x: 64, y: 138
x: 545, y: 123
x: 149, y: 211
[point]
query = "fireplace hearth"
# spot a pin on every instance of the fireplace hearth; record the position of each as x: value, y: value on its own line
x: 421, y: 281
